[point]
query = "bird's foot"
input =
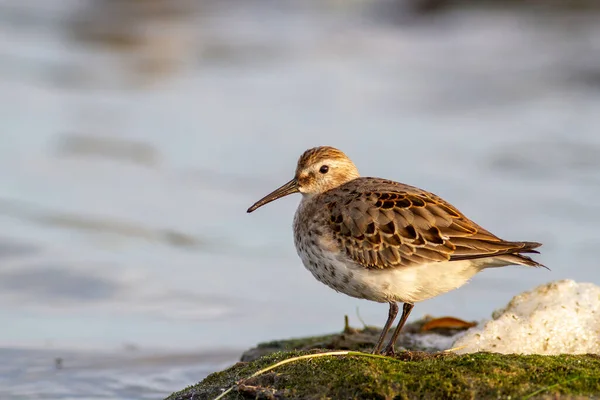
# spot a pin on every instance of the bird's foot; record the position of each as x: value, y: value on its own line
x: 389, y: 351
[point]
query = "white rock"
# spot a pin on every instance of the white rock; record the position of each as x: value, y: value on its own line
x: 556, y: 318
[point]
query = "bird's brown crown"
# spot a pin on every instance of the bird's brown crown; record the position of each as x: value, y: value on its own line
x: 323, y: 168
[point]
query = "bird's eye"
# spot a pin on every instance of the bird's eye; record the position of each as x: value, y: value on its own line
x: 324, y: 169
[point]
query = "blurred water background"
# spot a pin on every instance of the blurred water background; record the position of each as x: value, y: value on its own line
x: 135, y: 133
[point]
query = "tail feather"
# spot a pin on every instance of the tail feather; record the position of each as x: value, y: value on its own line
x: 513, y: 253
x: 521, y: 260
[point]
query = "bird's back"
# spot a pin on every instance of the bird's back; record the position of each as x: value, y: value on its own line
x: 383, y: 224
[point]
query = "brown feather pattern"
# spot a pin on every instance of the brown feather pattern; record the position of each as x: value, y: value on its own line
x: 384, y: 224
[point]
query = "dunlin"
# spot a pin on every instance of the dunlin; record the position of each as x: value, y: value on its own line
x: 385, y: 241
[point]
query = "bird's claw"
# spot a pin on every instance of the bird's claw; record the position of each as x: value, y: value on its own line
x: 389, y: 351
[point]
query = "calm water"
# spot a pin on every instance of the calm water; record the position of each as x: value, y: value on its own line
x: 32, y: 374
x: 130, y: 152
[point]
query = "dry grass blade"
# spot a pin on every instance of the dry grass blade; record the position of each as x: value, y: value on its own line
x: 304, y: 357
x: 454, y: 349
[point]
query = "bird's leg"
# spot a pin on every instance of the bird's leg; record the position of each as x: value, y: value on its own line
x: 388, y: 324
x: 406, y: 309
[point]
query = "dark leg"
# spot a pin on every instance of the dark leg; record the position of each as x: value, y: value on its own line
x: 406, y: 309
x: 391, y: 317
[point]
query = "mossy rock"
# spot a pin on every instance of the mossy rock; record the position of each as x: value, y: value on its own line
x: 411, y: 375
x: 354, y: 339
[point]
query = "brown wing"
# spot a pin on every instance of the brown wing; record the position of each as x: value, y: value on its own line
x: 384, y: 224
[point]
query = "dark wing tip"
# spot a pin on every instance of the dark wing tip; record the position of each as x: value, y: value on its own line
x: 530, y: 245
x: 529, y: 248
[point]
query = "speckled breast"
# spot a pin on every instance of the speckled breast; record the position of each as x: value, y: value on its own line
x: 321, y: 255
x: 310, y: 239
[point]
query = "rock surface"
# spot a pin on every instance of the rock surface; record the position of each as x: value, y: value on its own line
x: 560, y: 317
x: 427, y: 334
x: 411, y: 375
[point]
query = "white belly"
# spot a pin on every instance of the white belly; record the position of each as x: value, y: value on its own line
x: 405, y: 284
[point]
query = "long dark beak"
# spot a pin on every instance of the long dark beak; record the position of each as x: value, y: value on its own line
x: 288, y: 188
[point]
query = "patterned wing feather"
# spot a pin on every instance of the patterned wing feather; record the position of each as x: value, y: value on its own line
x: 384, y: 224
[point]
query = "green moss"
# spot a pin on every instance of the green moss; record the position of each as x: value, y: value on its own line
x: 351, y: 339
x: 412, y: 375
x: 295, y: 343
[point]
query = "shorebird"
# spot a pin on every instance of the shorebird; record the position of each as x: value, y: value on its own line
x: 385, y: 241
